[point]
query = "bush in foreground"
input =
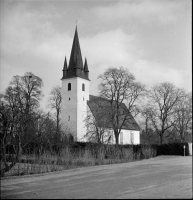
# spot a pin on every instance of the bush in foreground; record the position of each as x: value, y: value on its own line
x: 80, y: 154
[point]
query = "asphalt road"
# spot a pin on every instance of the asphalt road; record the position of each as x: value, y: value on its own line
x: 160, y: 177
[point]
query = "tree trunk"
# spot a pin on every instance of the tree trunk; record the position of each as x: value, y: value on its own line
x: 161, y: 138
x: 19, y: 149
x: 116, y: 137
x: 182, y: 136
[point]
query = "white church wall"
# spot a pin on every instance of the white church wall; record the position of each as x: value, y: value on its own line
x: 69, y: 105
x: 125, y: 136
x: 74, y: 106
x: 130, y: 137
x: 90, y: 128
x: 83, y: 97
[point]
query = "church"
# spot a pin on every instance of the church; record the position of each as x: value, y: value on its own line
x: 77, y: 102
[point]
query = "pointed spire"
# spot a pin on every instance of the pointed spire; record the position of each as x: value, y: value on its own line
x: 86, y: 66
x: 86, y: 71
x: 65, y: 65
x: 76, y: 56
x: 65, y: 68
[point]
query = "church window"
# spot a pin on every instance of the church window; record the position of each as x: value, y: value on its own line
x: 69, y: 99
x: 83, y: 87
x: 69, y: 86
x: 83, y: 98
x: 69, y: 118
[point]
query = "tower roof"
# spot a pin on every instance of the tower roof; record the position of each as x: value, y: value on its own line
x: 76, y: 56
x: 75, y: 68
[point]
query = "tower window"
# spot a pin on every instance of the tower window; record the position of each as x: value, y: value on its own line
x: 69, y: 118
x: 69, y: 86
x: 69, y: 99
x: 83, y: 87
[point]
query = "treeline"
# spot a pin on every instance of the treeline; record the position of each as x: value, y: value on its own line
x: 165, y: 114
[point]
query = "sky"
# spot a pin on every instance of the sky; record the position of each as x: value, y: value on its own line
x: 151, y: 38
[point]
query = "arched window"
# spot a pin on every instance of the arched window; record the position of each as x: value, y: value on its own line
x: 83, y: 87
x: 69, y: 86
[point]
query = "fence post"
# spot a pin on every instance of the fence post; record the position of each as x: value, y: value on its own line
x: 184, y: 149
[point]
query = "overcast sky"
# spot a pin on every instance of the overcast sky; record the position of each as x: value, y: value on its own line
x: 152, y: 38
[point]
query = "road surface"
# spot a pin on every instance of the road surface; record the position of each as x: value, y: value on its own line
x: 160, y: 177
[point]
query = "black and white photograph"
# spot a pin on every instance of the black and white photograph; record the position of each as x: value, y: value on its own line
x: 96, y: 99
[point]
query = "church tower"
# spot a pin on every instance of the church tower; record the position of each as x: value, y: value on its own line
x: 75, y: 92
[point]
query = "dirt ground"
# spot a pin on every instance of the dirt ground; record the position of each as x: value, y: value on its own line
x: 160, y: 177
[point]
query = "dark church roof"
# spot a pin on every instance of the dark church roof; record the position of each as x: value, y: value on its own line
x: 101, y: 108
x: 75, y: 67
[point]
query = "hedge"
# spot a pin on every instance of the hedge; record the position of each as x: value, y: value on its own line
x: 173, y: 149
x: 163, y: 149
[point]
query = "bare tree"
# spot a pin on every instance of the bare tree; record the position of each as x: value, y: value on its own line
x: 163, y: 99
x: 183, y: 116
x: 146, y: 115
x: 18, y: 112
x: 119, y: 87
x: 24, y: 93
x: 97, y: 131
x: 55, y: 100
x: 147, y: 135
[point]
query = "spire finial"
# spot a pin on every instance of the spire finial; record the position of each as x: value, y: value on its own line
x: 76, y: 23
